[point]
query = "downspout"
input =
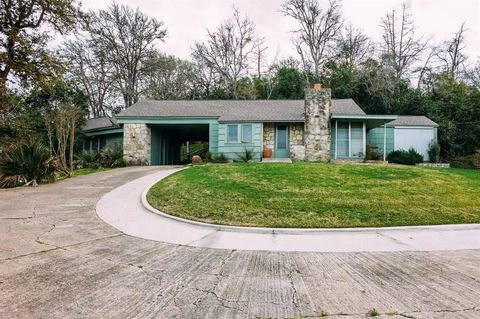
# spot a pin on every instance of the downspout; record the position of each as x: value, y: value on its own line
x: 364, y: 139
x: 384, y: 141
x: 349, y: 139
x: 336, y: 138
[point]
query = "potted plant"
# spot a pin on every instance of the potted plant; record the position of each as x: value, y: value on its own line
x: 267, y: 153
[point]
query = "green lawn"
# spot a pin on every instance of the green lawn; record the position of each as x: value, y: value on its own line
x: 84, y: 171
x: 320, y: 195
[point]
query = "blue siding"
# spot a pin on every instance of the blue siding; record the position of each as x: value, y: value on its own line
x: 231, y: 150
x: 213, y: 137
x: 375, y: 137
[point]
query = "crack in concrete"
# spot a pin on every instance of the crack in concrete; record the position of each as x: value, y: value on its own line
x: 405, y: 314
x: 474, y: 308
x: 393, y: 239
x: 60, y: 247
x: 224, y: 302
x: 295, y: 292
x: 46, y: 232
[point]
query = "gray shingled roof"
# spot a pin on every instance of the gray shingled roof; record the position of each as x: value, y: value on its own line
x: 409, y: 120
x: 100, y: 123
x: 235, y: 110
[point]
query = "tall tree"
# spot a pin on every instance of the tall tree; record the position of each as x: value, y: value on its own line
x: 400, y: 47
x: 23, y: 39
x: 167, y: 77
x: 62, y: 106
x: 317, y: 32
x: 88, y: 65
x: 473, y: 75
x: 353, y: 47
x: 230, y: 50
x: 127, y: 37
x: 452, y: 55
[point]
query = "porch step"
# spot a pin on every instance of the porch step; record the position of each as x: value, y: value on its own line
x: 276, y: 160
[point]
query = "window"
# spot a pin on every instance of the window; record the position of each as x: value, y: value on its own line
x: 349, y: 139
x: 357, y: 139
x: 232, y: 133
x: 247, y: 133
x: 239, y: 133
x: 343, y: 142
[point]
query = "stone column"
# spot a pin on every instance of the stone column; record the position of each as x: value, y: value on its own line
x: 137, y: 139
x: 269, y: 136
x: 317, y: 124
x: 295, y: 141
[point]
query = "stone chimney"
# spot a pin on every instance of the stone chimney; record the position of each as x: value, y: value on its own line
x: 317, y: 123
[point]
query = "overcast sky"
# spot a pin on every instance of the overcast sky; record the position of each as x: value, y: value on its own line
x: 187, y: 20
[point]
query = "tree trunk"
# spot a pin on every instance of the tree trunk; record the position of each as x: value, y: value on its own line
x: 72, y: 141
x: 3, y: 81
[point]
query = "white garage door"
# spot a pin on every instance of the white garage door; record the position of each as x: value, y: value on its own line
x: 416, y: 137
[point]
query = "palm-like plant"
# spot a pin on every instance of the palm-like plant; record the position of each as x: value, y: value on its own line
x: 246, y: 156
x: 89, y: 159
x: 112, y: 156
x: 26, y: 163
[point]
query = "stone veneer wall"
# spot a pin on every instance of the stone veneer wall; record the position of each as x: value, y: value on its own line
x: 317, y: 124
x: 295, y: 140
x: 137, y: 139
x: 269, y: 136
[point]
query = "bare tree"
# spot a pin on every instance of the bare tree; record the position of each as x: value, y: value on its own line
x: 127, y: 37
x: 426, y: 69
x: 318, y: 30
x: 473, y: 75
x: 353, y: 47
x: 288, y: 62
x: 451, y: 53
x: 89, y: 66
x: 400, y: 47
x: 205, y: 80
x: 229, y: 50
x: 167, y: 77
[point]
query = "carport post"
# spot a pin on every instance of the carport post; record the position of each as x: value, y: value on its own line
x: 384, y: 141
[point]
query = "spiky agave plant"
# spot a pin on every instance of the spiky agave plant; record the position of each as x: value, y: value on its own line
x: 26, y: 163
x: 246, y: 156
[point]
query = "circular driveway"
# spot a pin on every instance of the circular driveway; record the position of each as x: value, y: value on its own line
x: 58, y: 259
x: 127, y: 209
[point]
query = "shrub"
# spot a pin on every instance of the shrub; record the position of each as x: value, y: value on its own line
x: 410, y: 157
x: 89, y: 159
x: 434, y: 152
x: 216, y: 158
x: 246, y: 156
x: 220, y: 158
x: 469, y: 161
x: 112, y: 156
x: 26, y: 163
x: 372, y: 154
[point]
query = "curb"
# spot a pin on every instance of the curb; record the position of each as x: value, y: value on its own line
x: 296, y: 231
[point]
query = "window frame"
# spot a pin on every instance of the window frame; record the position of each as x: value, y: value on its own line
x: 240, y: 138
x: 228, y: 134
x: 243, y: 139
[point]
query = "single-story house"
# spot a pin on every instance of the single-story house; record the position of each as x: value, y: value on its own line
x: 315, y: 129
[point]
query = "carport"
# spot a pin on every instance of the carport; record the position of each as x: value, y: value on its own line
x: 167, y: 140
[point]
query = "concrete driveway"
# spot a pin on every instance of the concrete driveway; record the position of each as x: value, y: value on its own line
x: 59, y: 260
